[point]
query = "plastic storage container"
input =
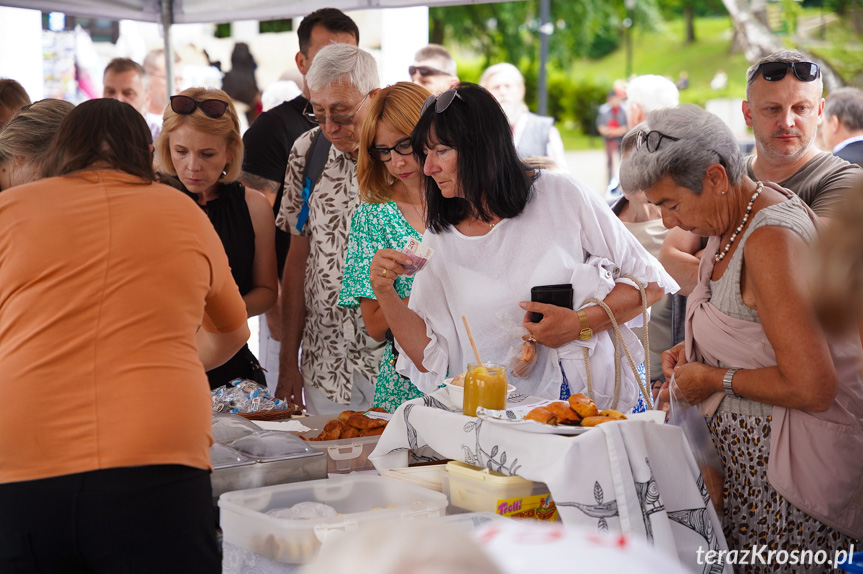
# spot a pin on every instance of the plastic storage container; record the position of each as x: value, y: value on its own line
x: 479, y: 489
x: 357, y: 500
x: 343, y: 455
x: 430, y: 476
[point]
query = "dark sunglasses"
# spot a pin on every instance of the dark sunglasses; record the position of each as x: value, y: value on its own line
x: 425, y: 71
x: 384, y: 154
x: 651, y: 140
x: 186, y: 105
x: 441, y: 102
x: 775, y: 71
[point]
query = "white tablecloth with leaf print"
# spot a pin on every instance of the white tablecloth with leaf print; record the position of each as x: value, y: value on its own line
x: 635, y: 477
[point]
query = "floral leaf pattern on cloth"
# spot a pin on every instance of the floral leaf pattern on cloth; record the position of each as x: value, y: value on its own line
x: 649, y: 499
x: 601, y: 510
x: 378, y: 226
x: 335, y: 342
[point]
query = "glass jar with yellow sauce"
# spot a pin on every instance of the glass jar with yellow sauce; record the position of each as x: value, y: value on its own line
x: 484, y: 386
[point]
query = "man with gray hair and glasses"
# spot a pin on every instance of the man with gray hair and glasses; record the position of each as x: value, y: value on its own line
x: 783, y: 107
x: 842, y: 128
x: 339, y: 363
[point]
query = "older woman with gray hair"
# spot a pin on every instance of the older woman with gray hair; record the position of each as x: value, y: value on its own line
x: 783, y: 402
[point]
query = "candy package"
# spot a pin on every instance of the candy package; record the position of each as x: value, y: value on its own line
x: 245, y: 396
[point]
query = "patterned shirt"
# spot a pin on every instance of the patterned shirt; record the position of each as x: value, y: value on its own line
x: 335, y: 342
x: 378, y: 226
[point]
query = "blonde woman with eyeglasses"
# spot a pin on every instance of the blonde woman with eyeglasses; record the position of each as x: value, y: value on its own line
x: 390, y: 185
x: 201, y: 150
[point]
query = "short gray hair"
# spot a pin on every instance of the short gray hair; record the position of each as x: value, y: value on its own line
x: 704, y: 139
x: 440, y: 54
x: 502, y: 68
x: 847, y: 105
x: 343, y: 64
x: 788, y: 56
x: 652, y: 92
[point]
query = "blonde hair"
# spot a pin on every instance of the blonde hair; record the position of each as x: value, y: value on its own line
x: 837, y: 266
x: 29, y: 133
x: 398, y: 105
x: 227, y: 126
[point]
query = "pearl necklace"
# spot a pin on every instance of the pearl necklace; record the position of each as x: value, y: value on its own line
x: 720, y: 255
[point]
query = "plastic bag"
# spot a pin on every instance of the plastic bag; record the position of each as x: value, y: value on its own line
x: 689, y: 418
x: 521, y: 358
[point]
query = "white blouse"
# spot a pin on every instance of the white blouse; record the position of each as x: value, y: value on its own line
x: 565, y: 234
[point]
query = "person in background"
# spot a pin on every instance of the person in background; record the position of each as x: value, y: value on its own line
x: 200, y: 146
x: 268, y: 143
x: 339, y: 363
x: 783, y: 107
x: 115, y: 296
x: 536, y: 139
x: 611, y: 125
x: 391, y: 187
x: 127, y: 81
x: 434, y: 69
x: 240, y: 83
x: 154, y: 65
x: 25, y: 142
x: 842, y: 127
x: 13, y: 97
x: 497, y: 229
x: 783, y: 402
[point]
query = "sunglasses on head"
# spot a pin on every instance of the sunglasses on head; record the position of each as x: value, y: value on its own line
x: 775, y: 71
x: 651, y: 140
x: 384, y: 154
x: 425, y: 71
x: 186, y: 105
x: 441, y: 102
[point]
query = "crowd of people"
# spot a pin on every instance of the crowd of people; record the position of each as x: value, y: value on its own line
x: 140, y: 234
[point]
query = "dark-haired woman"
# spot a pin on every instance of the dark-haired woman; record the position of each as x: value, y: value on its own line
x: 105, y: 432
x: 200, y: 144
x: 497, y: 230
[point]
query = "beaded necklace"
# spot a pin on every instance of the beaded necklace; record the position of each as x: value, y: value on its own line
x: 720, y: 255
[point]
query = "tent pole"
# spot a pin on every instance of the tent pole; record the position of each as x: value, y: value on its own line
x: 167, y: 20
x: 545, y: 30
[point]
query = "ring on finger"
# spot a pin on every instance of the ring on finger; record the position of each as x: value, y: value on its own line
x: 384, y: 273
x: 531, y: 339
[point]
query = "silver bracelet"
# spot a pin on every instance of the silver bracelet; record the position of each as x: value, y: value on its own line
x: 726, y: 382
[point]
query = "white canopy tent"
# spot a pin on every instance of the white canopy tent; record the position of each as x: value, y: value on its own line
x: 169, y: 12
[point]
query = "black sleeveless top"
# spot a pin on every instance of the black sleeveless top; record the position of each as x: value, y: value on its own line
x: 229, y: 215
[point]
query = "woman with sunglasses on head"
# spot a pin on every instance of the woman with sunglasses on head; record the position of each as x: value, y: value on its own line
x: 200, y: 146
x: 499, y: 229
x: 784, y: 403
x: 105, y: 433
x: 390, y: 185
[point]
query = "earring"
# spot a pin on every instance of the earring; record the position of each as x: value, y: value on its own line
x: 225, y: 173
x: 723, y: 192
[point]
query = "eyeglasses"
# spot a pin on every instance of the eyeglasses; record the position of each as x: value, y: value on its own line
x: 338, y: 119
x: 441, y: 102
x: 425, y: 71
x: 186, y: 105
x: 775, y: 71
x: 384, y: 154
x: 651, y: 140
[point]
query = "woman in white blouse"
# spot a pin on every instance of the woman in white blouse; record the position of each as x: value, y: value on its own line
x: 497, y: 230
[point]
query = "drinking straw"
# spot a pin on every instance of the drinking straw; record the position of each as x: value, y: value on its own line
x: 472, y: 342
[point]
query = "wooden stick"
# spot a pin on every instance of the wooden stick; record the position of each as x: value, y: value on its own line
x: 472, y: 342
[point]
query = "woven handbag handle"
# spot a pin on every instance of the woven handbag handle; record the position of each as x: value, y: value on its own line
x: 617, y: 341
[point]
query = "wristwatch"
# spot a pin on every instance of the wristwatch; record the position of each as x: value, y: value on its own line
x: 726, y: 382
x: 586, y: 332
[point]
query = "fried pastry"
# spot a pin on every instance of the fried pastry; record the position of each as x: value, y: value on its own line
x: 613, y: 414
x: 543, y: 415
x: 595, y: 420
x: 565, y: 414
x: 583, y: 405
x: 362, y: 422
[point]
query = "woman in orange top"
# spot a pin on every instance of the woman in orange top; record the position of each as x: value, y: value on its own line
x: 115, y: 298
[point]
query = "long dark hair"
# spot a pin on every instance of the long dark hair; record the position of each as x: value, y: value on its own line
x: 102, y: 132
x: 494, y: 181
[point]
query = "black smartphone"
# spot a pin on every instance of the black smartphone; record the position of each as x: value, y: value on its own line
x: 560, y: 295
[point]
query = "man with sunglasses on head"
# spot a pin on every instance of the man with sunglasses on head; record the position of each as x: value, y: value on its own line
x: 268, y: 143
x: 339, y: 363
x: 434, y: 69
x: 783, y: 107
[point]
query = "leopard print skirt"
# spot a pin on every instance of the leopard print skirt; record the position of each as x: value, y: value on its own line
x: 754, y: 514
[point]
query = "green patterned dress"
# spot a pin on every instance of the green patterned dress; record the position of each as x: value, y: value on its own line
x: 378, y: 226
